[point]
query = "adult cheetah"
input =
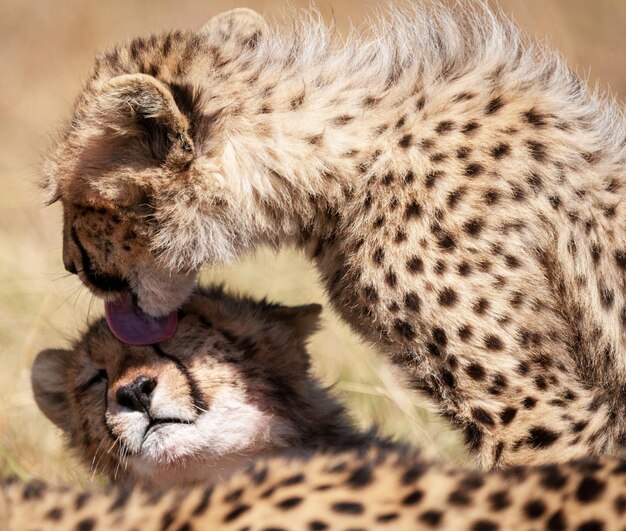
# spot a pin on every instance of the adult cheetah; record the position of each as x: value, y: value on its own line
x: 460, y: 190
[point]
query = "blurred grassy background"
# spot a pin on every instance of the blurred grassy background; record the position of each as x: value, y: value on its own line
x: 46, y: 49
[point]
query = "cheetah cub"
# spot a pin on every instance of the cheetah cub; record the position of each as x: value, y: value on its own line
x: 232, y: 384
x: 461, y: 192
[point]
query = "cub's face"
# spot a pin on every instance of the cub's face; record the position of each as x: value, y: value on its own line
x: 139, y: 167
x: 197, y: 406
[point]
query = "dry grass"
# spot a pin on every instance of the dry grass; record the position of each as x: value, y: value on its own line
x: 46, y: 48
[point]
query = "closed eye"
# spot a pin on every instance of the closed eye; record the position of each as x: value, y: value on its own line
x: 100, y: 377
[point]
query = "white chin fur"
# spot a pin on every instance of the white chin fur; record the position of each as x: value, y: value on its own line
x: 221, y: 440
x: 161, y: 292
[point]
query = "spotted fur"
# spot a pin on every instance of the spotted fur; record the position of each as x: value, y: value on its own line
x: 459, y: 188
x: 359, y: 489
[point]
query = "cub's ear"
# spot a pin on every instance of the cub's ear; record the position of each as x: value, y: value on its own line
x: 241, y: 23
x: 139, y: 105
x: 47, y: 380
x: 301, y: 321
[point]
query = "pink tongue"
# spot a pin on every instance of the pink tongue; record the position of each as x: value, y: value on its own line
x: 130, y: 325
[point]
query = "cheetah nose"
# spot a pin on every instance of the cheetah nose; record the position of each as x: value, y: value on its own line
x: 70, y: 267
x: 137, y: 395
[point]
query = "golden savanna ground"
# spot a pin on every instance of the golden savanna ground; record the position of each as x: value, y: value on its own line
x: 46, y: 49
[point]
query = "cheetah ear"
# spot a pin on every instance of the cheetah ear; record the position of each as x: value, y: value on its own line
x: 48, y: 383
x: 301, y: 321
x: 241, y: 23
x: 138, y: 105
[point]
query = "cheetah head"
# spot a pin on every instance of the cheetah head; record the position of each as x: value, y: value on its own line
x: 231, y: 384
x: 139, y: 174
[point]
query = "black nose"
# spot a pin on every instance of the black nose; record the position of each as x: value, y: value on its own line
x: 70, y: 267
x: 137, y: 395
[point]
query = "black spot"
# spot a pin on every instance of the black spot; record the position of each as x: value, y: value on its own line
x: 446, y: 242
x: 481, y: 306
x: 54, y: 514
x: 494, y: 105
x: 413, y: 210
x: 205, y: 500
x: 391, y: 279
x: 440, y: 337
x: 409, y: 177
x: 555, y: 201
x: 387, y: 517
x: 473, y: 436
x: 465, y: 332
x: 431, y: 518
x: 473, y: 227
x: 289, y: 503
x: 556, y: 522
x: 552, y: 478
x: 378, y: 256
x: 415, y: 265
x: 413, y: 474
x: 534, y: 509
x: 537, y: 150
x: 444, y: 127
x: 33, y: 490
x: 620, y: 504
x: 448, y: 297
x: 493, y: 342
x: 360, y: 477
x: 404, y: 329
x: 405, y: 141
x: 589, y: 489
x: 412, y: 301
x: 348, y: 508
x: 491, y: 196
x: 400, y: 236
x: 541, y: 437
x: 413, y: 497
x: 534, y: 118
x: 507, y: 415
x: 482, y: 416
x: 342, y: 120
x: 236, y: 513
x: 484, y: 525
x: 591, y: 525
x: 620, y: 258
x: 459, y: 497
x: 455, y: 196
x: 499, y: 500
x: 475, y: 371
x: 86, y: 524
x: 473, y: 170
x: 317, y: 525
x: 501, y: 150
x: 470, y: 127
x: 387, y: 179
x: 371, y: 295
x: 448, y: 378
x: 512, y: 261
x: 529, y: 402
x: 433, y: 350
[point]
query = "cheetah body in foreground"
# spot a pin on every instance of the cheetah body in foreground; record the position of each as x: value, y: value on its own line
x: 278, y: 449
x: 461, y: 192
x: 373, y: 489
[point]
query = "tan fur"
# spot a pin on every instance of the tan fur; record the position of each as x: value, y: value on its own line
x: 232, y: 384
x: 460, y: 190
x: 373, y: 489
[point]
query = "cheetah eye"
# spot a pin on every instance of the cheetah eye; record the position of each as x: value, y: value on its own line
x: 99, y: 377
